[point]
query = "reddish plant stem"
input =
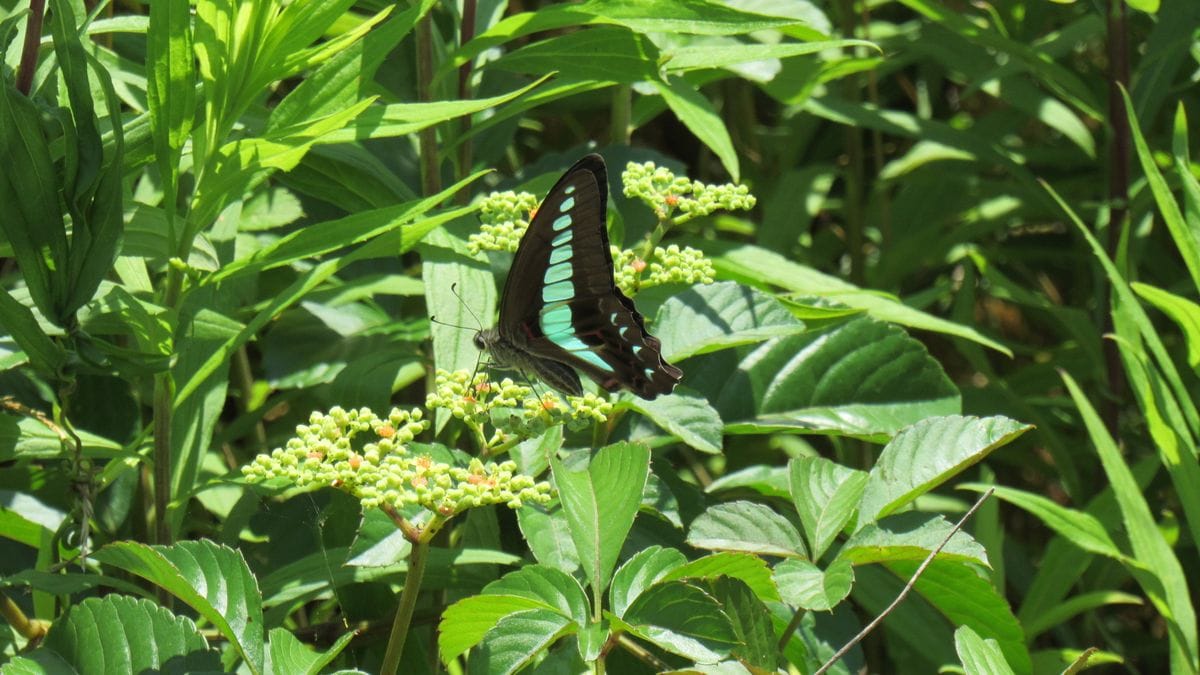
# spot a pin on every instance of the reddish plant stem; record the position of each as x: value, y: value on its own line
x: 29, y: 48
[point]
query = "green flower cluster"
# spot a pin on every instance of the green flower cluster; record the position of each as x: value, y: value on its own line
x: 365, y: 455
x: 666, y: 193
x: 505, y: 217
x: 511, y: 408
x: 668, y: 265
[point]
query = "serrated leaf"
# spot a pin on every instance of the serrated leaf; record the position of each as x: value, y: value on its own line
x: 465, y: 623
x: 749, y: 569
x: 684, y: 620
x: 213, y: 580
x: 555, y: 589
x: 751, y: 622
x: 712, y: 317
x: 686, y: 416
x: 549, y: 537
x: 805, y: 585
x: 910, y: 536
x: 926, y: 454
x: 746, y: 527
x: 600, y: 503
x: 646, y: 568
x: 517, y: 640
x: 118, y: 633
x: 826, y: 495
x: 286, y: 654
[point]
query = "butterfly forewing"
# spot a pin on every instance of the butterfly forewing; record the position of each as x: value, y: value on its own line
x: 560, y: 302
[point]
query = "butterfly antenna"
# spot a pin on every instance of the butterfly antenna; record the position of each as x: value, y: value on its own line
x: 434, y: 319
x: 454, y: 290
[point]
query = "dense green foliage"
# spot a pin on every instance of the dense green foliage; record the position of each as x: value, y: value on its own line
x: 905, y: 252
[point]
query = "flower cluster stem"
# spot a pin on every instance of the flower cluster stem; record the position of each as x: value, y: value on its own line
x: 408, y: 597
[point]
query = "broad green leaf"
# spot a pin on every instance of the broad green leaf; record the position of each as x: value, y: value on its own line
x: 683, y: 620
x: 44, y: 354
x: 911, y: 535
x: 751, y: 621
x: 28, y: 438
x: 606, y: 54
x: 1078, y: 527
x: 979, y: 656
x: 750, y: 569
x: 807, y: 586
x: 746, y: 527
x: 686, y: 416
x: 826, y: 496
x: 27, y: 519
x: 859, y: 377
x: 466, y: 622
x: 646, y: 568
x: 517, y: 640
x: 213, y: 580
x: 119, y: 633
x: 1184, y: 312
x: 766, y: 268
x: 555, y: 589
x: 769, y: 481
x: 698, y: 115
x: 286, y: 654
x: 926, y: 454
x: 600, y: 502
x: 549, y: 537
x: 711, y: 317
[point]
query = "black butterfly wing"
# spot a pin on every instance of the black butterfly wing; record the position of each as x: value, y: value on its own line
x: 560, y: 302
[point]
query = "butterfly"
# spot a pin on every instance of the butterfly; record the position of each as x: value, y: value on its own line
x: 561, y: 311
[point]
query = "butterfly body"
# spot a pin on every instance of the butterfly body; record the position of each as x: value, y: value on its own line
x: 561, y: 312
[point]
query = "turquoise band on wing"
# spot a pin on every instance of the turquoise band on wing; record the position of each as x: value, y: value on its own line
x: 560, y: 255
x: 567, y: 205
x: 558, y: 292
x: 559, y: 272
x: 561, y: 239
x: 573, y: 344
x: 561, y: 223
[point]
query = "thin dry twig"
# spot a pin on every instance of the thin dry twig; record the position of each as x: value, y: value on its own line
x: 907, y: 587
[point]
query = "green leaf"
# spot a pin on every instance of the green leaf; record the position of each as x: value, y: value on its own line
x: 646, y: 568
x: 1184, y: 312
x: 757, y: 265
x: 170, y: 93
x: 1150, y: 547
x: 746, y: 527
x: 548, y: 536
x: 118, y: 633
x: 465, y: 623
x: 29, y: 216
x: 807, y: 586
x: 286, y: 654
x: 927, y: 454
x: 686, y: 416
x: 911, y: 535
x: 683, y: 620
x: 213, y: 580
x: 556, y: 590
x: 698, y: 115
x: 696, y: 57
x: 712, y: 317
x: 751, y: 622
x: 858, y: 377
x: 979, y: 656
x: 1084, y: 603
x: 600, y: 502
x: 606, y: 54
x: 44, y: 354
x: 1078, y: 527
x: 826, y: 496
x: 517, y: 640
x: 750, y: 569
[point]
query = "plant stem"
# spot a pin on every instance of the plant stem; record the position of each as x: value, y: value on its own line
x: 163, y: 396
x: 855, y: 172
x: 466, y: 33
x: 431, y: 180
x: 622, y: 114
x: 1118, y: 192
x: 412, y: 589
x: 29, y: 48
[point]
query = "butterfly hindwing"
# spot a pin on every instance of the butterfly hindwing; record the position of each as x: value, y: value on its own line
x: 560, y: 302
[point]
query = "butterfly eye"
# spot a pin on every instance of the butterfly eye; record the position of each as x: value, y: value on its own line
x: 479, y: 342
